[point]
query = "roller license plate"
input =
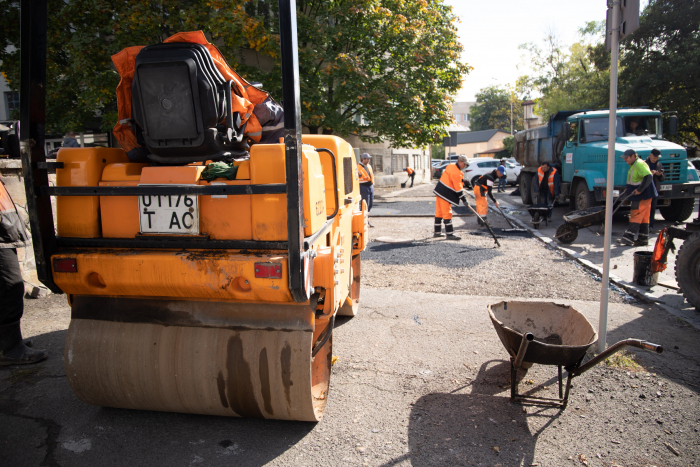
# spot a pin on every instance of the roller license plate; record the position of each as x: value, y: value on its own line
x: 665, y: 188
x: 169, y: 214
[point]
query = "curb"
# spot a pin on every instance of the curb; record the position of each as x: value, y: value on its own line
x: 634, y: 291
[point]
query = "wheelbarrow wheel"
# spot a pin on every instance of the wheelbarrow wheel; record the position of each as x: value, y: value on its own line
x: 567, y: 233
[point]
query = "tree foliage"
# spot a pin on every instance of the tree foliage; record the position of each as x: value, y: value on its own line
x: 509, y: 145
x: 493, y: 110
x: 661, y: 64
x: 383, y: 68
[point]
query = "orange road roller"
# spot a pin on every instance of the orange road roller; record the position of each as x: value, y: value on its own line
x: 192, y: 294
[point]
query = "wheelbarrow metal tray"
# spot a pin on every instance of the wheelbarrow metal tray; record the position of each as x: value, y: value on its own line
x: 562, y: 334
x: 586, y: 217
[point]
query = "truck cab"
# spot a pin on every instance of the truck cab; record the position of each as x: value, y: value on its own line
x: 577, y: 143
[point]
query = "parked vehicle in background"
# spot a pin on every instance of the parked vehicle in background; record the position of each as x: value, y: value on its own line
x: 481, y: 165
x: 577, y: 144
x: 437, y: 170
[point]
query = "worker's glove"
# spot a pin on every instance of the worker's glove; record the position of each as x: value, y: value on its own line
x: 464, y: 200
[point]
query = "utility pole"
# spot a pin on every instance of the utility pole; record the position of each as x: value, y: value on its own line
x: 617, y: 27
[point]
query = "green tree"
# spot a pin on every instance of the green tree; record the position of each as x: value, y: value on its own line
x: 509, y: 145
x: 575, y: 79
x: 661, y: 64
x: 384, y: 68
x: 493, y: 110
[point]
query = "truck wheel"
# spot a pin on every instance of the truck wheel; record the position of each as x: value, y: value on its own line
x: 525, y: 189
x: 584, y: 198
x: 688, y: 269
x: 678, y: 210
x: 535, y: 189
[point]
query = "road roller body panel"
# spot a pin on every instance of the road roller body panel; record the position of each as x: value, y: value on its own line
x: 213, y: 296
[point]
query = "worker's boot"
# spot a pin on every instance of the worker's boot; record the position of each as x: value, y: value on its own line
x: 628, y: 237
x: 438, y: 227
x: 450, y: 230
x: 643, y: 238
x: 13, y: 351
x: 485, y: 220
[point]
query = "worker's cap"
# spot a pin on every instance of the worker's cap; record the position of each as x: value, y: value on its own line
x: 502, y: 169
x: 463, y: 159
x: 364, y: 155
x: 629, y: 152
x: 546, y: 163
x: 656, y: 153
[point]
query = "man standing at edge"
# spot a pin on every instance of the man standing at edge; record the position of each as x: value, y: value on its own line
x: 449, y: 192
x: 13, y: 350
x: 657, y: 171
x: 549, y: 184
x: 641, y: 186
x: 483, y: 187
x: 364, y: 171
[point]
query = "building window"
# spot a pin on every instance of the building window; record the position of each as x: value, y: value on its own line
x: 378, y: 164
x: 11, y: 102
x: 466, y: 117
x: 458, y: 117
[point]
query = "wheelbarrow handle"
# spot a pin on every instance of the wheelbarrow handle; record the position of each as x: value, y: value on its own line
x: 614, y: 349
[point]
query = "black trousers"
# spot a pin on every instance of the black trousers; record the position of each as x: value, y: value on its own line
x: 11, y: 287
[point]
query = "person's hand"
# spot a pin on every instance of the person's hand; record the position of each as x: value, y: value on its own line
x: 498, y: 205
x: 636, y: 192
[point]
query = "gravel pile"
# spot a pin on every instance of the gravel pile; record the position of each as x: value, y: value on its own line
x: 521, y: 268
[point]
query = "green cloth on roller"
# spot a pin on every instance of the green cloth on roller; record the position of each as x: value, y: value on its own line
x: 219, y: 170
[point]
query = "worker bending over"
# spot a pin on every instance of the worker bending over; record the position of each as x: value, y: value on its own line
x: 640, y: 185
x: 366, y: 176
x: 484, y: 186
x: 549, y: 184
x: 411, y: 175
x: 449, y: 192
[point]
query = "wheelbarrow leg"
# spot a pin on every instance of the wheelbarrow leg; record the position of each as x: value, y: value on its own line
x: 565, y: 400
x: 513, y: 382
x: 560, y: 384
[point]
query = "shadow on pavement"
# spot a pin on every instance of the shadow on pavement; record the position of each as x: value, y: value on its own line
x: 479, y: 428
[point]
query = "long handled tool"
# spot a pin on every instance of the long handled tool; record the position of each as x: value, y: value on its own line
x: 513, y: 228
x: 485, y: 223
x: 619, y: 203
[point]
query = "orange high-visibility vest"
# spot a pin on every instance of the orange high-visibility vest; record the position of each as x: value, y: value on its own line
x: 409, y: 170
x: 453, y: 177
x: 366, y: 176
x: 550, y: 180
x: 244, y: 96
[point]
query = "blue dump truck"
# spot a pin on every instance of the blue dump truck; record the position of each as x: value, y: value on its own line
x: 577, y: 144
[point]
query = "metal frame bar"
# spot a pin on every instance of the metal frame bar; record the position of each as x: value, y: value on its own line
x: 158, y: 241
x: 32, y: 111
x: 292, y: 146
x: 164, y: 190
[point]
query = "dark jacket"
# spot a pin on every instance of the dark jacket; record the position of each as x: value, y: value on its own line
x: 12, y: 231
x: 657, y: 178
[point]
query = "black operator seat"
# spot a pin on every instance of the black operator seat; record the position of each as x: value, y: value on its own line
x: 181, y: 105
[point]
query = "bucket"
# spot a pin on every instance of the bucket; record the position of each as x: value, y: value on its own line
x: 642, y: 269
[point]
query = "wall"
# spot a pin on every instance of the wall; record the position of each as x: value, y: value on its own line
x: 470, y: 150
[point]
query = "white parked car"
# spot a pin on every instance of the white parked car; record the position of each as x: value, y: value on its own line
x: 482, y: 165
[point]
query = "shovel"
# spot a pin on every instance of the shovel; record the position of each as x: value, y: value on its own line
x: 513, y: 227
x: 485, y: 223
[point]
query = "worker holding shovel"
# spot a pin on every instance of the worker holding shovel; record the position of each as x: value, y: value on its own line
x: 482, y: 187
x: 641, y: 187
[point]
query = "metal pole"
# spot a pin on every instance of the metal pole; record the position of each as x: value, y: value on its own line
x: 612, y: 136
x: 511, y: 116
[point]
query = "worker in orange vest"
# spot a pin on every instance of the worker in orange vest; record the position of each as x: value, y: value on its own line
x: 366, y: 176
x: 13, y: 349
x: 549, y: 184
x: 411, y: 175
x: 449, y: 191
x: 482, y: 188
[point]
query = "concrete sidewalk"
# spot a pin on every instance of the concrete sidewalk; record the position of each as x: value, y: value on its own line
x: 587, y: 249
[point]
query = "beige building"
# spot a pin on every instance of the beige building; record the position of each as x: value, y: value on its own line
x: 460, y: 112
x: 529, y: 118
x: 476, y: 143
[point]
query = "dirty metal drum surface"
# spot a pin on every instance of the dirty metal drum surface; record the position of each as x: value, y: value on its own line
x: 562, y: 334
x: 248, y: 360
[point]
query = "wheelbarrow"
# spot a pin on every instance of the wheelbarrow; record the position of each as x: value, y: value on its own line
x: 575, y: 220
x: 550, y: 334
x: 539, y: 213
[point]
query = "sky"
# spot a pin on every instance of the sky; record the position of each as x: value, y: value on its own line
x: 491, y: 32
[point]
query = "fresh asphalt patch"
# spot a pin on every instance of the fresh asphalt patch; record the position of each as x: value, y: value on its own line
x: 443, y: 253
x: 412, y: 208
